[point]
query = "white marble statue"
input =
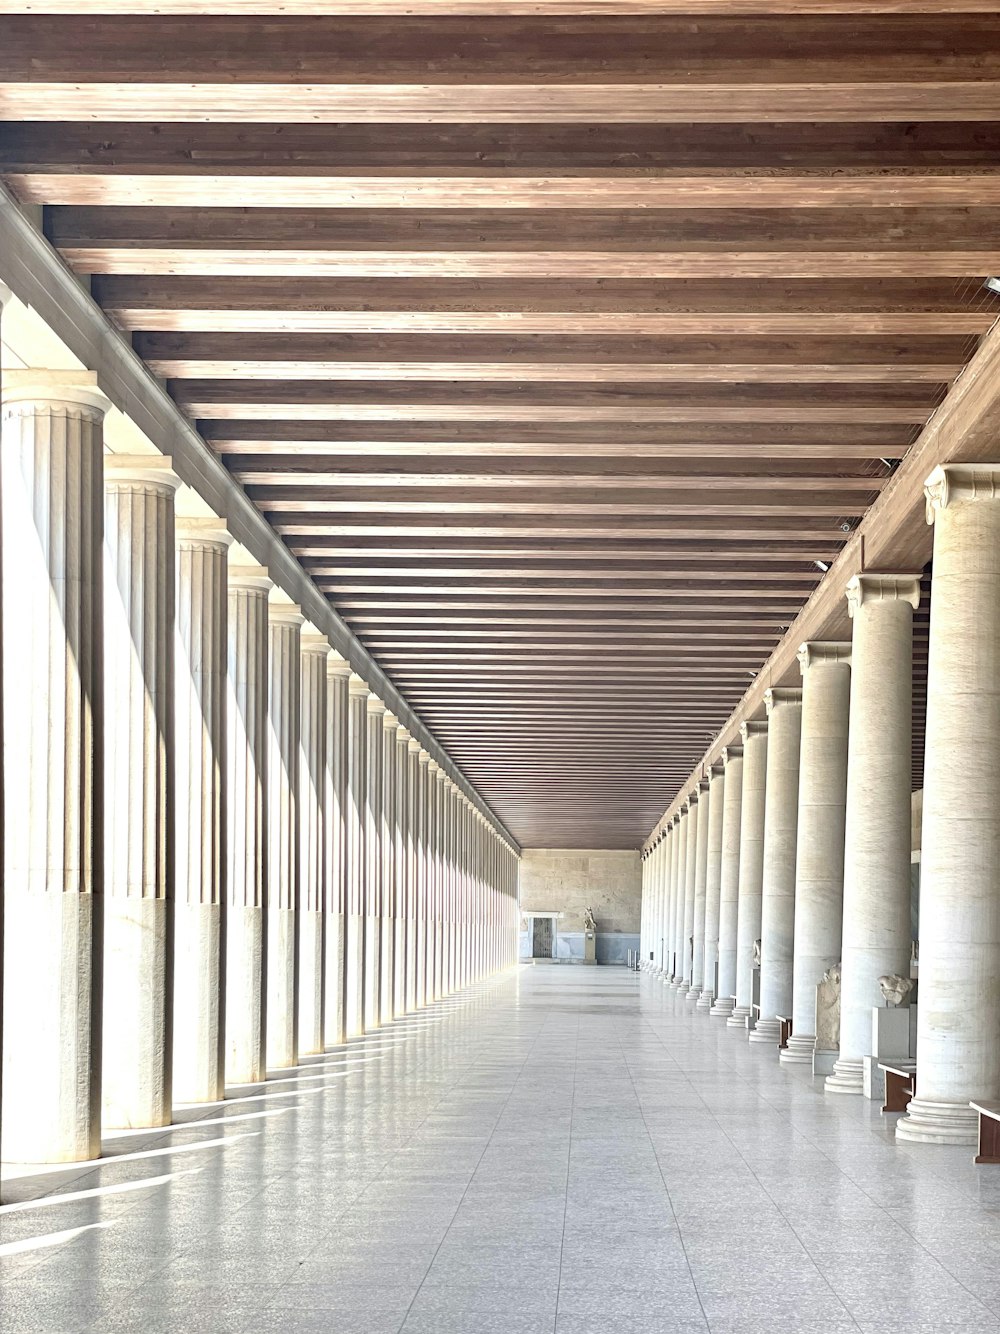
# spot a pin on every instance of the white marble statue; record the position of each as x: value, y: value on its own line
x: 756, y: 954
x: 589, y: 920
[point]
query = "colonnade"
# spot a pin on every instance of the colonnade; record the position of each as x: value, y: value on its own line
x: 812, y: 858
x: 222, y: 852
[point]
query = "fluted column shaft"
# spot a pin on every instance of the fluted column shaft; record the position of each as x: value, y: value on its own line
x: 729, y: 881
x: 713, y: 885
x: 51, y: 481
x: 876, y: 920
x: 246, y: 834
x: 754, y: 734
x: 284, y: 631
x: 373, y: 867
x: 700, y: 885
x: 423, y: 887
x: 958, y: 1014
x: 357, y: 797
x: 401, y: 951
x: 690, y: 890
x: 413, y: 826
x: 139, y: 789
x: 336, y: 819
x: 670, y: 900
x: 389, y: 887
x: 819, y: 863
x: 312, y: 917
x: 680, y: 897
x: 199, y: 1039
x: 777, y: 917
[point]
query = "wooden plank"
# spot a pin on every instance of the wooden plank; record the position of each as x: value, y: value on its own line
x: 285, y: 103
x: 496, y: 189
x: 537, y: 480
x: 478, y: 8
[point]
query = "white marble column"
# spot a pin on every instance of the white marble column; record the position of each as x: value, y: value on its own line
x: 690, y: 891
x: 876, y: 921
x: 680, y: 897
x: 246, y: 834
x: 958, y: 1012
x: 729, y: 881
x: 448, y: 980
x: 401, y: 952
x: 52, y: 487
x: 373, y: 868
x: 700, y: 884
x: 200, y: 649
x: 335, y: 825
x: 669, y: 922
x: 284, y: 630
x: 312, y: 912
x: 139, y: 789
x: 819, y: 862
x: 754, y: 735
x: 777, y: 914
x: 655, y: 941
x: 357, y: 797
x: 390, y: 726
x: 413, y: 876
x: 713, y: 884
x: 438, y: 882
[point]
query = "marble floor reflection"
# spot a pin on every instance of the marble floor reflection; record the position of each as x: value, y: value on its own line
x: 557, y: 1151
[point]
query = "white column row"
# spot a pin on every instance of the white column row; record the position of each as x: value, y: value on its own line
x: 221, y: 852
x: 822, y: 874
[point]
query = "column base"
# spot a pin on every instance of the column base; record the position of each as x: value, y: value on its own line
x: 198, y: 1063
x: 282, y: 981
x: 799, y: 1050
x: 723, y: 1007
x: 847, y: 1077
x: 767, y: 1031
x: 693, y: 995
x: 931, y: 1121
x: 245, y: 1062
x: 705, y: 1001
x: 739, y: 1017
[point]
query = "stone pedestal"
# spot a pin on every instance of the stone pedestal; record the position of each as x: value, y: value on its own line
x: 876, y: 921
x: 729, y: 885
x: 284, y: 627
x: 777, y: 922
x: 335, y: 828
x: 52, y: 487
x: 246, y: 838
x: 139, y: 795
x: 958, y: 1018
x: 199, y: 1048
x: 312, y: 916
x: 819, y: 869
x: 754, y: 734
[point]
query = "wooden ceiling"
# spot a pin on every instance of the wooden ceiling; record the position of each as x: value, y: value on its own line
x: 564, y: 343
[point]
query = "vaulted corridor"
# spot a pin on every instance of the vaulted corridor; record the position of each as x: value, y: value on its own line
x: 556, y: 1150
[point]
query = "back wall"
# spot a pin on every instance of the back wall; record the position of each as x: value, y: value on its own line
x: 570, y: 880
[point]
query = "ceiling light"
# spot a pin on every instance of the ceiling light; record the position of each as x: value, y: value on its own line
x: 993, y: 284
x: 821, y: 565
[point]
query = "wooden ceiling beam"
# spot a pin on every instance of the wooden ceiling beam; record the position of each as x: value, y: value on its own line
x: 273, y: 484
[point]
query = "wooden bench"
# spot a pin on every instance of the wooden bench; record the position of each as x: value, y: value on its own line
x: 900, y: 1085
x: 989, y: 1131
x: 784, y: 1030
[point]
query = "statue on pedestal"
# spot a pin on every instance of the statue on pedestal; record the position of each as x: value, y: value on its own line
x: 589, y: 921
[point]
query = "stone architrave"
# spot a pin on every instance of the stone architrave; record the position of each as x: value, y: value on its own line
x: 52, y: 486
x: 777, y: 916
x: 819, y: 863
x: 958, y: 1013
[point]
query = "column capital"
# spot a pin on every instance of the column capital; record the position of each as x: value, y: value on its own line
x: 281, y: 610
x: 390, y: 721
x: 874, y: 587
x: 152, y: 472
x: 753, y: 727
x: 208, y: 534
x: 42, y: 388
x: 424, y: 756
x: 731, y: 753
x: 703, y: 784
x: 954, y: 483
x: 823, y: 653
x: 313, y: 642
x: 5, y: 295
x: 358, y: 687
x: 375, y: 706
x: 777, y: 696
x: 717, y: 769
x: 403, y: 735
x: 691, y: 799
x: 414, y: 746
x: 249, y: 579
x: 336, y: 665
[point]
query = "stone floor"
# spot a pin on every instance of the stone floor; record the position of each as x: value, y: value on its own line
x: 559, y: 1151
